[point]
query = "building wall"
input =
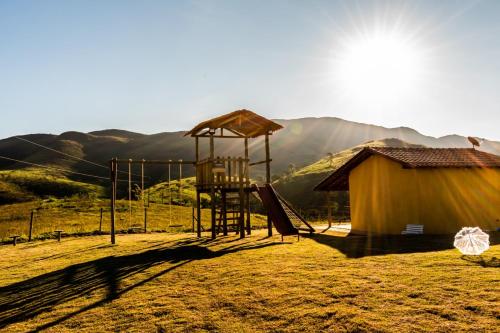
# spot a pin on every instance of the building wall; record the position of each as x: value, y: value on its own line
x: 384, y: 197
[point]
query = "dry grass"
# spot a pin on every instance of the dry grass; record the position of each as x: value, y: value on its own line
x: 82, y: 216
x: 177, y: 283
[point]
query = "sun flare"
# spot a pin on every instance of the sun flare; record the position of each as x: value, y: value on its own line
x: 378, y: 67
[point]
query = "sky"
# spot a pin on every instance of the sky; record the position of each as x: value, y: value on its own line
x: 155, y: 66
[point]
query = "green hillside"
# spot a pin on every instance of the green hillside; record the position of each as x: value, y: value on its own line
x: 182, y: 192
x: 297, y: 187
x: 32, y: 183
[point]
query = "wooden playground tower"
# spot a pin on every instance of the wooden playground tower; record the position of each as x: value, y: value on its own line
x: 228, y: 178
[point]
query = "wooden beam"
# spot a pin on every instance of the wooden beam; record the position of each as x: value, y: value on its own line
x: 212, y: 189
x: 329, y: 208
x: 224, y: 213
x: 155, y: 161
x: 235, y: 132
x: 222, y: 136
x: 259, y: 162
x: 268, y: 181
x: 242, y: 199
x: 198, y: 214
x: 113, y: 167
x: 248, y: 224
x: 247, y: 195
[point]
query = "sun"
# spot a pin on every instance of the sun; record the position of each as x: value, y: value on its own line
x: 378, y: 67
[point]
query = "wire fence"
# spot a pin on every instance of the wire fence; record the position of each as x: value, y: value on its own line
x: 84, y: 218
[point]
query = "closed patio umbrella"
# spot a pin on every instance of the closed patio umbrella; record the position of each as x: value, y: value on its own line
x: 472, y: 241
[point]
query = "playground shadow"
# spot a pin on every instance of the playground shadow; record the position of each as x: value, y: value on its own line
x: 356, y: 246
x: 27, y: 299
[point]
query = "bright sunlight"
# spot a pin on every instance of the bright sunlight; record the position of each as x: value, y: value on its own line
x: 380, y: 67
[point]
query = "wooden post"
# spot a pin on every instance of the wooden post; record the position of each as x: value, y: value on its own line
x: 329, y: 208
x: 142, y: 182
x: 247, y: 194
x: 31, y: 227
x: 224, y: 213
x: 212, y: 186
x: 198, y: 214
x: 198, y: 201
x: 192, y: 218
x: 268, y: 181
x: 180, y: 180
x: 241, y: 219
x: 130, y: 191
x: 145, y: 219
x: 100, y: 222
x: 247, y: 200
x: 113, y: 166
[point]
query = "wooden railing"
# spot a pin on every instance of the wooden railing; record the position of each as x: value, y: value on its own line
x: 226, y: 172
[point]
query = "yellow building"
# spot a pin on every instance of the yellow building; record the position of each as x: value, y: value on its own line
x: 443, y: 189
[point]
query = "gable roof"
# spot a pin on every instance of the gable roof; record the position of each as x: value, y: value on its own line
x: 411, y: 158
x: 242, y: 122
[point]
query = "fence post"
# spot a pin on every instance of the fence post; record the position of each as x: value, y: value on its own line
x: 31, y: 227
x: 192, y: 217
x: 100, y: 223
x: 145, y: 219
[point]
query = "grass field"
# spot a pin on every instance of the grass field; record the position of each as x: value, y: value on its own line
x: 31, y: 183
x: 81, y: 215
x: 177, y: 283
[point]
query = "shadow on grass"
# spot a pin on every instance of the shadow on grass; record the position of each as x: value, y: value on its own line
x: 27, y: 299
x: 354, y: 246
x: 482, y: 261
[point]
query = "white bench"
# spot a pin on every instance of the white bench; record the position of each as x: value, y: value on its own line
x: 413, y: 229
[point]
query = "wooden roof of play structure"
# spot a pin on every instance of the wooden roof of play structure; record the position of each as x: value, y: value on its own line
x: 411, y: 158
x: 241, y: 123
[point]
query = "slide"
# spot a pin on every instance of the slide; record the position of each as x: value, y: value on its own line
x: 285, y: 219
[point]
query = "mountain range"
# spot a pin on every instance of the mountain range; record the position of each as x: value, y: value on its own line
x: 302, y: 142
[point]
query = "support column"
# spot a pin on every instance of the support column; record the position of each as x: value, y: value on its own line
x: 198, y: 199
x: 113, y: 165
x: 212, y: 186
x: 329, y: 208
x: 198, y: 214
x: 224, y: 213
x: 142, y: 183
x: 247, y: 183
x: 247, y: 200
x: 241, y: 219
x: 268, y: 181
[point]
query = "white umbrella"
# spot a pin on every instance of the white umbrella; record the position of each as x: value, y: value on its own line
x: 472, y: 241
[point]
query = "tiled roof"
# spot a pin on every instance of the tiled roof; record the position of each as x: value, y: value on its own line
x: 412, y: 158
x: 439, y: 157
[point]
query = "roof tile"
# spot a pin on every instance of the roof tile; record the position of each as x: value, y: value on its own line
x: 439, y: 157
x: 411, y: 158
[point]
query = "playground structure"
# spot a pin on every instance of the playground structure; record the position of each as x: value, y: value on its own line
x: 227, y: 178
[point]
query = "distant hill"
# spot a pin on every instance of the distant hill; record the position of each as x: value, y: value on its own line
x: 302, y: 142
x: 297, y: 186
x: 33, y: 183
